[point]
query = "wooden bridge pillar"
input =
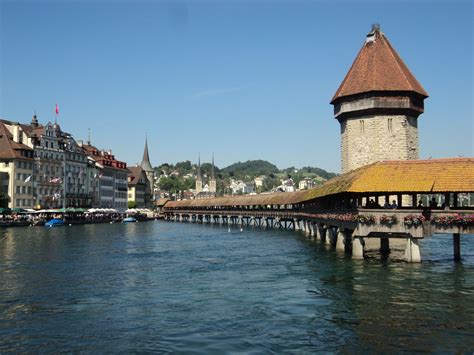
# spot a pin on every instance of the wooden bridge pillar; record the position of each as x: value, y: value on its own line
x: 307, y: 227
x: 297, y: 224
x: 311, y: 229
x: 329, y: 236
x: 412, y: 251
x: 340, y: 239
x: 357, y: 248
x: 318, y: 231
x: 457, y: 246
x: 384, y: 246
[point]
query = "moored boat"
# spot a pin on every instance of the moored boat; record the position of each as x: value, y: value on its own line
x: 55, y: 222
x: 129, y: 220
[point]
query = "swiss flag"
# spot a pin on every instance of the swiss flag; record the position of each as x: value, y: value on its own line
x: 57, y: 109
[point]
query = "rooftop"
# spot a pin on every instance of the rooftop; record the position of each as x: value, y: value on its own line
x: 378, y: 67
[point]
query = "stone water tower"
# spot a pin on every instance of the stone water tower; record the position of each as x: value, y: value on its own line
x: 377, y: 105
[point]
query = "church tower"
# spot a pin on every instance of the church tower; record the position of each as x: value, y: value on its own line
x: 377, y: 105
x: 146, y: 166
x: 199, y: 177
x: 213, y: 182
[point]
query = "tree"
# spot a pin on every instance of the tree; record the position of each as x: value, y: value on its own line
x: 4, y: 200
x: 184, y: 167
x: 132, y: 204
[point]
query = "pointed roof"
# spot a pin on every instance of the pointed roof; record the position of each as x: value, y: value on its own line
x: 146, y: 165
x: 212, y: 168
x: 378, y: 67
x: 9, y: 149
x: 199, y: 169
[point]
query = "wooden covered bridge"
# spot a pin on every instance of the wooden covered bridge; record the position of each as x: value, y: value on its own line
x: 348, y: 211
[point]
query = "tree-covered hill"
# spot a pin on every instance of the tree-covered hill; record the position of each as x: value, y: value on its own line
x: 250, y: 168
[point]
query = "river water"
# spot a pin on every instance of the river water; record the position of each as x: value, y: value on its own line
x: 170, y: 287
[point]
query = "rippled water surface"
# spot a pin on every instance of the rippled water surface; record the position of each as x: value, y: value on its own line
x: 167, y: 287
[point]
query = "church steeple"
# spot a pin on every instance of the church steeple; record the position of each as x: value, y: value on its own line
x: 212, y: 182
x: 34, y: 121
x: 198, y: 176
x: 150, y: 173
x: 146, y: 165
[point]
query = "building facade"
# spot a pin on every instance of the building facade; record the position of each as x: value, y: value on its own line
x: 112, y: 176
x: 16, y: 167
x: 377, y: 106
x: 139, y: 190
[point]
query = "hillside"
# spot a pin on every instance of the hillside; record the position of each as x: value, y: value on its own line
x: 250, y: 168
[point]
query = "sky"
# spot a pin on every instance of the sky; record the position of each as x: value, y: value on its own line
x: 241, y: 79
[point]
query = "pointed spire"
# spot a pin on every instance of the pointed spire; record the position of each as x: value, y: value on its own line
x: 199, y: 168
x: 146, y: 165
x: 212, y: 168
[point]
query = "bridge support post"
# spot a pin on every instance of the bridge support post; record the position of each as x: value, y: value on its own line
x: 311, y: 229
x: 297, y: 224
x: 457, y: 246
x: 306, y: 228
x: 317, y: 232
x: 357, y: 248
x: 328, y: 236
x: 384, y: 246
x: 412, y: 251
x: 340, y: 236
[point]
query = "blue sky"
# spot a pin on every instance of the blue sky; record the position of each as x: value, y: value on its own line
x: 243, y: 79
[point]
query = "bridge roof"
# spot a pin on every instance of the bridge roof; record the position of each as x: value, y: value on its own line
x: 412, y: 176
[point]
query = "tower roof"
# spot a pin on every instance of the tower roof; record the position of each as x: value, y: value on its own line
x: 198, y: 174
x: 378, y: 67
x: 212, y: 168
x: 146, y: 165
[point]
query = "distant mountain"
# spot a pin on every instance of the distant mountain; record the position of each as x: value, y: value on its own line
x: 251, y: 168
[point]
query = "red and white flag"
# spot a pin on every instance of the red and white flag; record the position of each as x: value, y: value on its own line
x: 57, y: 109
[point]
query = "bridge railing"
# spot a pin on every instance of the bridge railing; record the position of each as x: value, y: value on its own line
x: 417, y: 222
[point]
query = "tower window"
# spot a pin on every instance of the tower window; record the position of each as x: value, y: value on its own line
x: 389, y: 124
x: 362, y: 128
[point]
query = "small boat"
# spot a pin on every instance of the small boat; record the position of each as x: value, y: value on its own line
x: 55, y: 222
x: 129, y: 220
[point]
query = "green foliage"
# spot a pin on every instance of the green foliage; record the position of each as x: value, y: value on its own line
x: 250, y: 168
x: 245, y: 171
x: 4, y: 200
x: 132, y: 204
x: 184, y: 167
x: 269, y: 183
x: 318, y: 171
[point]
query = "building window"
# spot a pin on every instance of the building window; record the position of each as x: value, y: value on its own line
x: 362, y: 128
x: 389, y: 125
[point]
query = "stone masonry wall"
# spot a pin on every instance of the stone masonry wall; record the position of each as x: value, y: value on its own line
x: 368, y: 139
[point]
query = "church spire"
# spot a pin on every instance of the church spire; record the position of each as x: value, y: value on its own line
x: 199, y: 167
x: 212, y: 168
x: 213, y: 182
x: 146, y: 165
x: 198, y: 177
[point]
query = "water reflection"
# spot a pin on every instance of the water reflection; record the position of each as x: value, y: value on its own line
x: 185, y: 288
